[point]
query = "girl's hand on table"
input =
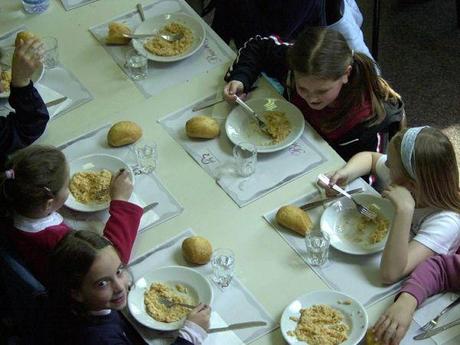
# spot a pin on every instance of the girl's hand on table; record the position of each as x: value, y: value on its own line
x: 121, y: 187
x: 27, y: 58
x: 400, y: 196
x: 233, y: 88
x: 394, y: 322
x: 200, y: 315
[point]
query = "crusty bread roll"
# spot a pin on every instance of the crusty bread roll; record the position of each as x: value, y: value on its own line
x: 203, y: 127
x: 196, y: 250
x: 124, y: 133
x: 115, y: 35
x: 294, y: 218
x: 24, y: 36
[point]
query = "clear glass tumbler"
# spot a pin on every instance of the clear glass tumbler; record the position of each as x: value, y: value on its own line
x: 317, y: 245
x: 51, y: 53
x: 223, y: 266
x: 147, y: 157
x: 245, y: 155
x: 137, y: 65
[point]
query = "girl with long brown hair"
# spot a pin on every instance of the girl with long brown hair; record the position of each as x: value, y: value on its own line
x: 337, y: 89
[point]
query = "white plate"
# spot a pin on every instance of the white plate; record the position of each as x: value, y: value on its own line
x: 94, y: 162
x: 157, y: 23
x: 340, y: 219
x: 239, y: 125
x: 355, y: 316
x: 197, y: 286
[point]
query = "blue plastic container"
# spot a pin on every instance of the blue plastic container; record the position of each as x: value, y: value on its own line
x: 35, y: 6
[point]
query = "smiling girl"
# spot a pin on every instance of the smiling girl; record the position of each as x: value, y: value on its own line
x: 337, y: 89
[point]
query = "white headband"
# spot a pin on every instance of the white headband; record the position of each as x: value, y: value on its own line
x: 407, y: 149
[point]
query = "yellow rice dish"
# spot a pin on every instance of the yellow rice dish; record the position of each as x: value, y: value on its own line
x: 381, y: 225
x: 158, y: 310
x: 161, y: 47
x: 278, y: 125
x: 5, y: 80
x: 320, y: 325
x: 91, y: 186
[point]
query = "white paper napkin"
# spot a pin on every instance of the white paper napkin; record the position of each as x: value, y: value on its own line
x: 49, y: 95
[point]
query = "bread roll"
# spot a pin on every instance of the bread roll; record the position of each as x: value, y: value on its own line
x: 24, y: 36
x: 203, y: 127
x: 196, y: 250
x: 116, y: 31
x: 124, y: 133
x: 294, y: 218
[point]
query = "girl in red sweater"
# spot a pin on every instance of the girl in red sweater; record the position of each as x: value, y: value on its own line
x: 35, y: 187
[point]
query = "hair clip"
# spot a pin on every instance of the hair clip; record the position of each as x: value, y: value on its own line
x: 9, y: 174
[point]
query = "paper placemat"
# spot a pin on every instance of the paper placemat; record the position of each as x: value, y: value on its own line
x: 71, y: 4
x: 216, y: 158
x: 147, y: 187
x: 232, y: 304
x: 341, y: 267
x: 54, y: 79
x: 163, y: 75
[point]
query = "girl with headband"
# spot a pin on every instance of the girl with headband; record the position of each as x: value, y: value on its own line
x: 420, y: 177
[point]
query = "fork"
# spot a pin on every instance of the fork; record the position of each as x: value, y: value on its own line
x: 261, y: 124
x: 170, y: 37
x: 361, y: 209
x: 434, y: 322
x: 169, y: 304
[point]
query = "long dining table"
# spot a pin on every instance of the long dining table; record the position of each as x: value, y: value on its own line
x: 269, y: 268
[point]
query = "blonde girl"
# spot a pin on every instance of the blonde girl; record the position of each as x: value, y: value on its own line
x: 421, y: 179
x: 89, y: 287
x: 35, y: 186
x: 337, y: 89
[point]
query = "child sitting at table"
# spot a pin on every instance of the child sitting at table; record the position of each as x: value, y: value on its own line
x: 22, y: 127
x: 337, y: 89
x: 437, y: 274
x: 89, y: 288
x: 422, y: 182
x: 35, y: 186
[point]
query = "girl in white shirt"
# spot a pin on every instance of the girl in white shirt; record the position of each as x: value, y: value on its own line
x: 420, y: 177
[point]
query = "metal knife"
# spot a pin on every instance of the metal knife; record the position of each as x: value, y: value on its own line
x: 207, y: 104
x: 238, y: 326
x: 149, y: 207
x: 55, y: 102
x: 434, y: 331
x: 314, y: 204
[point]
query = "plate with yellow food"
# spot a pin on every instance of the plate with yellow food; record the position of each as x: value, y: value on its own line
x: 353, y: 233
x: 90, y: 179
x: 158, y: 49
x: 324, y: 318
x: 173, y: 283
x: 285, y: 124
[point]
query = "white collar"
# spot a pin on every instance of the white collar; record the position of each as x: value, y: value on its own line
x: 36, y: 225
x: 102, y: 312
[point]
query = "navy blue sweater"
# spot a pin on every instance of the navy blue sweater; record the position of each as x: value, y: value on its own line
x: 22, y: 127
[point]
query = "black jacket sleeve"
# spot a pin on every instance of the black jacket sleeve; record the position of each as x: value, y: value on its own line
x: 260, y: 54
x: 22, y: 127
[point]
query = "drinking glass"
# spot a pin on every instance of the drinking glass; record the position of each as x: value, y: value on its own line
x: 317, y: 245
x: 137, y: 65
x: 147, y: 157
x: 245, y: 155
x: 51, y: 53
x: 223, y: 266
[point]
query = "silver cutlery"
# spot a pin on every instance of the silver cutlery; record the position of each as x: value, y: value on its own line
x: 361, y: 209
x: 314, y: 204
x: 260, y: 123
x: 207, y: 104
x: 434, y: 322
x: 140, y: 10
x: 434, y: 331
x: 169, y: 304
x: 149, y: 207
x: 170, y: 37
x: 55, y: 102
x: 241, y: 325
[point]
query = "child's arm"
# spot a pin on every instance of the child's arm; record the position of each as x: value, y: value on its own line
x: 400, y: 256
x: 437, y: 274
x: 196, y: 326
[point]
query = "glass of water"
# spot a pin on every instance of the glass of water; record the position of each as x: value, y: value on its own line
x: 317, y: 245
x: 51, y: 53
x: 137, y: 65
x: 147, y: 157
x: 223, y: 266
x: 245, y: 155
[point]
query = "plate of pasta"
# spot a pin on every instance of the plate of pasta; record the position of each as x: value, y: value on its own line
x: 284, y: 120
x: 90, y: 179
x: 157, y: 49
x: 353, y: 233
